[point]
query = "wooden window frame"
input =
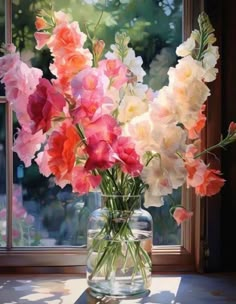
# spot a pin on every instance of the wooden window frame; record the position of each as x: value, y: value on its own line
x: 186, y: 257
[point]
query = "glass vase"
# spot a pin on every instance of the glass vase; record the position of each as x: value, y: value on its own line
x: 119, y: 247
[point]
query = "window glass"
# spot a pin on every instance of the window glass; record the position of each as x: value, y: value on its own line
x: 2, y: 33
x: 2, y: 22
x: 2, y: 178
x: 51, y: 216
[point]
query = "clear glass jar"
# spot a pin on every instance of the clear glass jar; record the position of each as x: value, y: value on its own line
x: 119, y: 247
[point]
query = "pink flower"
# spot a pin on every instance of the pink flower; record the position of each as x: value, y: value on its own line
x: 181, y: 214
x: 212, y: 183
x: 101, y: 155
x: 130, y: 160
x: 104, y: 128
x: 85, y: 112
x: 83, y: 181
x: 42, y: 162
x: 61, y: 17
x: 26, y: 144
x: 20, y: 82
x: 7, y: 62
x: 42, y: 39
x: 44, y: 105
x: 115, y: 70
x: 89, y: 84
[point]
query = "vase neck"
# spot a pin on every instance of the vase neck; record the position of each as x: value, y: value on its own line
x: 121, y: 202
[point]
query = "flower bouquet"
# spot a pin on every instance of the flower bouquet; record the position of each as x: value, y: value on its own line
x: 97, y: 125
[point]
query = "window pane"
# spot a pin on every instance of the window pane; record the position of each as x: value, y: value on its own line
x: 2, y: 177
x: 2, y: 33
x: 2, y: 22
x: 56, y: 216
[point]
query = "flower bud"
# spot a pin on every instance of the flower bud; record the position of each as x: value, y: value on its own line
x: 98, y: 48
x: 40, y: 23
x: 232, y: 128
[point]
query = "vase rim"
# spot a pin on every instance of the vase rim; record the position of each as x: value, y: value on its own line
x: 120, y: 195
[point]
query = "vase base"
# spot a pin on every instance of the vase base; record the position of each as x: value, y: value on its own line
x: 136, y: 295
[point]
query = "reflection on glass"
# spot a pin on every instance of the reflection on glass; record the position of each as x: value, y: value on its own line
x: 57, y: 216
x: 45, y: 214
x: 2, y: 178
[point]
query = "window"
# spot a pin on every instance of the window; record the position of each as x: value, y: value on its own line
x: 44, y: 224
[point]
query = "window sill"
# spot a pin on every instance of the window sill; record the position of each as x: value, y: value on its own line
x: 66, y: 289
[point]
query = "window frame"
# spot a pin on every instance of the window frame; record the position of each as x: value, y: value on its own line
x: 185, y: 257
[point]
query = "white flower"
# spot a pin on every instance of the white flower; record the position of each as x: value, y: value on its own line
x: 157, y: 178
x: 210, y: 57
x: 113, y: 94
x: 209, y: 62
x: 210, y: 75
x: 140, y: 129
x: 186, y: 47
x: 163, y: 175
x: 163, y: 107
x: 138, y: 89
x: 134, y: 64
x: 130, y: 107
x: 151, y: 199
x: 170, y: 138
x: 186, y: 71
x: 176, y: 170
x: 189, y: 101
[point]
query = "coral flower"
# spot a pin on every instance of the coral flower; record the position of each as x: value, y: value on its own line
x: 212, y: 183
x: 195, y: 131
x: 180, y: 214
x: 62, y: 145
x: 83, y: 181
x: 40, y: 23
